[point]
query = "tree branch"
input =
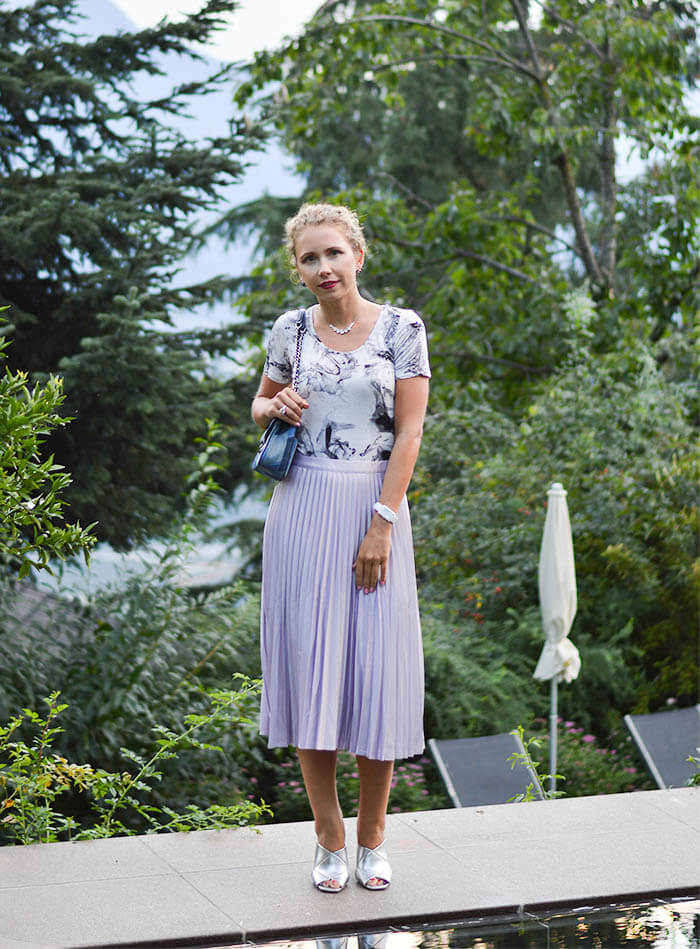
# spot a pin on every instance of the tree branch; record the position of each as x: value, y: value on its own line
x: 502, y: 58
x: 481, y: 357
x: 459, y: 57
x: 608, y: 181
x: 663, y: 322
x: 513, y: 219
x: 470, y: 255
x: 571, y: 28
x: 563, y: 160
x: 406, y: 190
x: 496, y: 265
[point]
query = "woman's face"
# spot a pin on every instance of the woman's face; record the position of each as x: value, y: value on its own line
x: 326, y: 261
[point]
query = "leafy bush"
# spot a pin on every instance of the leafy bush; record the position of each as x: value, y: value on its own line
x: 415, y: 786
x: 478, y: 675
x: 619, y: 435
x: 34, y: 780
x: 142, y: 655
x: 31, y: 489
x: 588, y: 767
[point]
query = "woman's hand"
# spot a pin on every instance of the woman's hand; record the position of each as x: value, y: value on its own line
x: 287, y: 405
x: 277, y: 401
x: 373, y: 556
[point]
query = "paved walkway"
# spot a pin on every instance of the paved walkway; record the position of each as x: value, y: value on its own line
x: 222, y: 888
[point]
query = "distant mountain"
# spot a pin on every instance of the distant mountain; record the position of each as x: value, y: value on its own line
x: 102, y: 16
x: 268, y: 172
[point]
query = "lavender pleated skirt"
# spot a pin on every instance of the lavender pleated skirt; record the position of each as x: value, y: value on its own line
x: 342, y: 669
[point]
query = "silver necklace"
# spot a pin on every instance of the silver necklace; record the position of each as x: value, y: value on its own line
x: 343, y: 331
x: 340, y: 332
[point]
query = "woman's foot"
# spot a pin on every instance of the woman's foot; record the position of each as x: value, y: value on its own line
x: 373, y: 869
x: 330, y: 871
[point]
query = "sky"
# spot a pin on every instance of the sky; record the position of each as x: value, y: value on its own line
x: 256, y: 24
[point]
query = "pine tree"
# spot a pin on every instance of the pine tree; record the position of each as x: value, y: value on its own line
x: 101, y: 197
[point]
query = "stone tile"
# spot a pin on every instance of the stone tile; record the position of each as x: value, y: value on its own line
x: 270, y: 845
x: 683, y: 804
x: 581, y: 866
x: 107, y: 859
x: 7, y: 943
x: 265, y: 901
x: 458, y: 826
x: 230, y: 849
x: 109, y: 912
x: 600, y: 814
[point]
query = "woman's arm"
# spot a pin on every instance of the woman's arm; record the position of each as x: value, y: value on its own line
x: 269, y: 400
x: 410, y: 403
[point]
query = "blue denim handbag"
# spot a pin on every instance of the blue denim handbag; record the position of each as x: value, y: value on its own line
x: 279, y: 442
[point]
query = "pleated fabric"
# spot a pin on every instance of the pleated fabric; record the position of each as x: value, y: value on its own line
x: 342, y: 669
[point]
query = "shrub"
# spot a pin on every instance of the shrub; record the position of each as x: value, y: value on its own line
x: 141, y: 655
x: 32, y: 528
x: 620, y: 436
x: 34, y: 780
x: 415, y: 786
x: 588, y: 767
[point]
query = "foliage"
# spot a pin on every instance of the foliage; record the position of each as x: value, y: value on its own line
x: 31, y: 489
x: 142, y: 654
x: 415, y: 786
x: 104, y: 192
x: 33, y: 779
x: 527, y: 758
x: 477, y: 675
x: 587, y: 765
x: 560, y: 304
x: 619, y: 435
x: 485, y: 206
x: 694, y: 781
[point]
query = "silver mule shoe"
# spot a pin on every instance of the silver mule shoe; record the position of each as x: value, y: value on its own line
x: 330, y: 865
x: 373, y: 864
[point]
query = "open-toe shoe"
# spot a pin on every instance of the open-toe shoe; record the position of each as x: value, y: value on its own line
x: 330, y: 866
x: 373, y: 865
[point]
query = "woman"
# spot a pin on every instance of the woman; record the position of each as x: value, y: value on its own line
x: 340, y: 633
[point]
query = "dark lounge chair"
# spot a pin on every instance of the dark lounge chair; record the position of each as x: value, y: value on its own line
x: 476, y: 771
x: 666, y: 740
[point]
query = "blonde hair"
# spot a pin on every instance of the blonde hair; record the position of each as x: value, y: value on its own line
x: 345, y: 219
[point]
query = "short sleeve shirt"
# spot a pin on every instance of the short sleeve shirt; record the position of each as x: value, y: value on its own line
x: 350, y: 394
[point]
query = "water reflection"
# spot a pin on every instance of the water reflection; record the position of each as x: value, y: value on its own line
x: 661, y: 924
x: 364, y: 941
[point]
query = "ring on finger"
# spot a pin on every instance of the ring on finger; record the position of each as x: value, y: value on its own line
x: 283, y: 410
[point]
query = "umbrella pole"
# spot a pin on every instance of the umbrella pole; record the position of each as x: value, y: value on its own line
x: 553, y: 720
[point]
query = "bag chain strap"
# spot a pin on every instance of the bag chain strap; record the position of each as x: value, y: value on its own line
x: 297, y: 357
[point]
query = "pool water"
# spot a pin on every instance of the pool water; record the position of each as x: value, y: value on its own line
x: 661, y: 924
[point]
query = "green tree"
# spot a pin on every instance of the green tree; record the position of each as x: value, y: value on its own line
x: 102, y: 194
x: 484, y: 207
x: 560, y: 302
x: 620, y: 437
x: 32, y: 528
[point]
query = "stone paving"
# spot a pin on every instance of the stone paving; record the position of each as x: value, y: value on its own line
x: 225, y: 888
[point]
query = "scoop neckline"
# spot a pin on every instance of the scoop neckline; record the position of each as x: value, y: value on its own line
x: 312, y: 329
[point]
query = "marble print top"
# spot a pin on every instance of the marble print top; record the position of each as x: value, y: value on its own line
x: 350, y: 395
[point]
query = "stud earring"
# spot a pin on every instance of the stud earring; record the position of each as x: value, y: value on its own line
x: 301, y: 283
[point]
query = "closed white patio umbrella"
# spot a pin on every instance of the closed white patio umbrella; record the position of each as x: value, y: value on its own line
x: 559, y: 659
